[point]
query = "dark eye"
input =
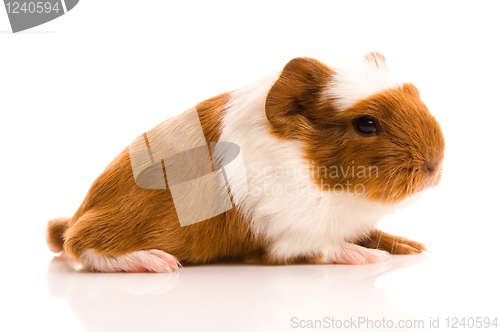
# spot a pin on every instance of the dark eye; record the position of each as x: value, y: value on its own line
x: 366, y: 125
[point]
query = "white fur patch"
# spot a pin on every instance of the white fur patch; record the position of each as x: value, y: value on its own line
x: 288, y: 209
x: 355, y: 81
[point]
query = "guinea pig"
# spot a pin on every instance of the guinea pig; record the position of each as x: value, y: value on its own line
x: 297, y: 168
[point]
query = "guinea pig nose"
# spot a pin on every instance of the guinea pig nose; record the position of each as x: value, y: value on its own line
x: 430, y: 167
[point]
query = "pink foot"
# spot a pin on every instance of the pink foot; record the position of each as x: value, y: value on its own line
x: 138, y: 261
x: 63, y: 255
x: 353, y: 254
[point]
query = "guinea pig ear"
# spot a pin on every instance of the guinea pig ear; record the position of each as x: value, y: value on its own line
x: 295, y: 94
x: 377, y: 59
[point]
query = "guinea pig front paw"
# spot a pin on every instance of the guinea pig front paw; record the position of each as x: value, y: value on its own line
x: 353, y: 254
x: 393, y: 244
x: 138, y: 261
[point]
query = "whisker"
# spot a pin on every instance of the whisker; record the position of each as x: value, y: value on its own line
x: 389, y: 181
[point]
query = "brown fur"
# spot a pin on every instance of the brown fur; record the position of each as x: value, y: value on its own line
x: 295, y: 99
x: 55, y: 234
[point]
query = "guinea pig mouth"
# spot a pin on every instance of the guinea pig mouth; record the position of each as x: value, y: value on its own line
x: 409, y: 182
x: 426, y: 179
x: 436, y: 179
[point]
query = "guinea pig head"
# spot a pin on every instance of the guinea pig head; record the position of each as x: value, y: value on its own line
x: 361, y: 132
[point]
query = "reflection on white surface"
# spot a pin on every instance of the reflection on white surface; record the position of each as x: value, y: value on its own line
x: 226, y: 297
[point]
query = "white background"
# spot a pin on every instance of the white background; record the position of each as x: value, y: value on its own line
x: 76, y: 91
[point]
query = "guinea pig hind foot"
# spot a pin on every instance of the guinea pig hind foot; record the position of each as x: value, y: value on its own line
x: 352, y: 254
x: 138, y: 261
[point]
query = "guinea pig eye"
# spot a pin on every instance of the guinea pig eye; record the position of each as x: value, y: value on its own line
x: 366, y: 125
